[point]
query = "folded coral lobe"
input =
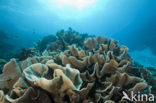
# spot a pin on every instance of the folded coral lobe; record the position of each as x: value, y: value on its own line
x: 75, y: 68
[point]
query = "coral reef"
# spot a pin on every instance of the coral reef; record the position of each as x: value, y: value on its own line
x: 81, y: 69
x: 27, y: 53
x: 66, y: 38
x: 2, y: 62
x: 42, y: 44
x: 148, y: 74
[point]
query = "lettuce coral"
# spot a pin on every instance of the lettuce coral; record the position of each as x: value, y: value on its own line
x: 95, y: 70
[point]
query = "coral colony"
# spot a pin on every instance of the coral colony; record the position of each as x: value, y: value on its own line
x: 76, y: 68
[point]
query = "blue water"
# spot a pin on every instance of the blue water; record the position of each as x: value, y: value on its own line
x: 131, y: 22
x: 145, y: 57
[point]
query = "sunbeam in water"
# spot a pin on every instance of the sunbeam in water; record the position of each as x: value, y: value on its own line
x: 72, y: 9
x: 77, y: 51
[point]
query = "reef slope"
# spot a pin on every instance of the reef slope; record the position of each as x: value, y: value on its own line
x: 74, y: 68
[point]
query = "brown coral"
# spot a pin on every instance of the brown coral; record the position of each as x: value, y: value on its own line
x: 90, y: 43
x: 11, y: 73
x: 96, y: 72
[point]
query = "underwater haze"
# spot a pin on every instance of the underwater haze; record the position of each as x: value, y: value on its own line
x: 131, y: 22
x: 77, y: 51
